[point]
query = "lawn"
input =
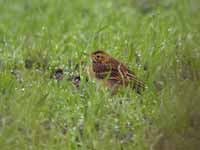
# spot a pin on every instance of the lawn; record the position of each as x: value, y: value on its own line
x: 157, y: 39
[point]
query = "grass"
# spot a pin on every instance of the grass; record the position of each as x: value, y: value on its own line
x: 159, y: 40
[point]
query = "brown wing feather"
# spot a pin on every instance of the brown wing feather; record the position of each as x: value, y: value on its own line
x: 122, y: 73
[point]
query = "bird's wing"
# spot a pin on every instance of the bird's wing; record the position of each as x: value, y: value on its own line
x: 128, y: 77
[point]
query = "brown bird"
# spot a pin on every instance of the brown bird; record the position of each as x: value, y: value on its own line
x: 115, y: 73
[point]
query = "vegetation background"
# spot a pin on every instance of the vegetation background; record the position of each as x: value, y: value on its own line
x: 158, y: 39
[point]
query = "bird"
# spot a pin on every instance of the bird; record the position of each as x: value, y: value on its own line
x: 114, y: 73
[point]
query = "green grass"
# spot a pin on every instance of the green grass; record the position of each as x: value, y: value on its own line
x: 37, y: 112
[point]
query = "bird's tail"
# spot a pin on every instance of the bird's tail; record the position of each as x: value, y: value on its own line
x: 138, y: 86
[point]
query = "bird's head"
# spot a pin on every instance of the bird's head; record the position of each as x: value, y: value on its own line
x: 100, y: 56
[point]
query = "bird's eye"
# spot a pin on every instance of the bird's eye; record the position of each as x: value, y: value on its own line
x: 98, y: 56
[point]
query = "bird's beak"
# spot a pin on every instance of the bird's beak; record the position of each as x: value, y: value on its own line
x: 93, y: 58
